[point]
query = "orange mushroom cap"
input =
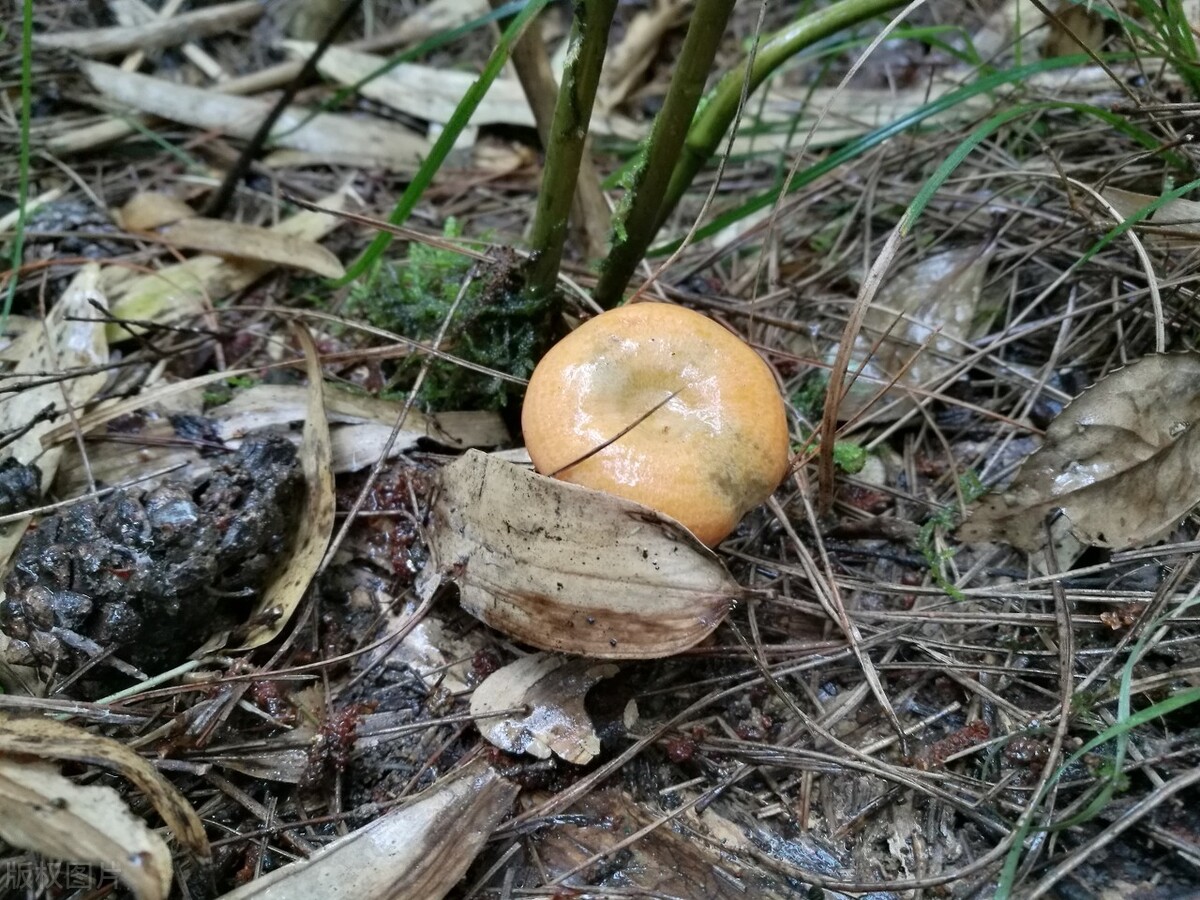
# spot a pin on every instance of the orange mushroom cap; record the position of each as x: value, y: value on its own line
x: 714, y: 450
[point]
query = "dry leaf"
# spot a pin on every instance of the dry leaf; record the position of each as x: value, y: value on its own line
x: 370, y: 143
x: 1121, y: 463
x: 48, y: 739
x: 1175, y: 224
x: 263, y: 245
x: 569, y: 569
x: 364, y: 423
x: 182, y: 291
x: 917, y: 324
x: 683, y: 858
x: 415, y: 852
x: 433, y: 93
x: 147, y: 210
x: 550, y: 689
x: 42, y: 811
x: 314, y: 526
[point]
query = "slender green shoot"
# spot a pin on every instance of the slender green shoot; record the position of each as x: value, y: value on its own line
x: 445, y: 142
x: 720, y: 107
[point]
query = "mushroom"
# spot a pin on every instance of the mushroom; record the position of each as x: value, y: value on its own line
x: 663, y: 406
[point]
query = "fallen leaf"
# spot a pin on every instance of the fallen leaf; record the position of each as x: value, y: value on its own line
x: 1121, y: 463
x: 42, y: 811
x: 914, y: 331
x: 183, y: 291
x: 570, y: 569
x: 315, y: 525
x: 48, y: 739
x: 371, y: 143
x: 263, y: 245
x: 415, y: 852
x: 147, y: 210
x: 551, y: 690
x: 683, y: 857
x: 1174, y: 224
x: 432, y: 93
x: 363, y: 422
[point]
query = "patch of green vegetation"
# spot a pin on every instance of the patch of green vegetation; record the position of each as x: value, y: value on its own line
x: 849, y: 457
x: 938, y: 555
x: 809, y: 398
x: 223, y: 392
x: 495, y: 324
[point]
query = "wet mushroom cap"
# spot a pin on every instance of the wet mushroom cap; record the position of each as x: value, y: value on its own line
x: 706, y: 456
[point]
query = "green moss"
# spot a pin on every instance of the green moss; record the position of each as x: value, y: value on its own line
x: 944, y: 520
x: 495, y: 324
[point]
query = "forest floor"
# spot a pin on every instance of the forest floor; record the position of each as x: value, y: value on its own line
x: 962, y: 661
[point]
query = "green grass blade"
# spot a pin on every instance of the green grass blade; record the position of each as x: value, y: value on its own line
x: 980, y: 134
x: 861, y: 145
x: 445, y: 142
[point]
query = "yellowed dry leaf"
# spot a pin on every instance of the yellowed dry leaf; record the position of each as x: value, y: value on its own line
x: 1121, y: 463
x: 415, y: 852
x: 569, y: 569
x: 917, y: 326
x: 371, y: 143
x: 314, y: 526
x: 262, y: 245
x: 42, y: 811
x: 549, y: 690
x: 183, y: 291
x: 147, y: 210
x: 47, y: 739
x: 432, y: 93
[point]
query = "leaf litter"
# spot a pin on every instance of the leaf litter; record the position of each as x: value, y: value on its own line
x: 1121, y: 463
x: 761, y: 765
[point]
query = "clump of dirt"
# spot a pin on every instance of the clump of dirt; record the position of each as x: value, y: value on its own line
x: 148, y: 575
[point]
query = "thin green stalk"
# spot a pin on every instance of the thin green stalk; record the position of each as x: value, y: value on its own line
x: 568, y: 133
x: 720, y: 109
x: 636, y: 231
x: 445, y: 142
x: 18, y: 244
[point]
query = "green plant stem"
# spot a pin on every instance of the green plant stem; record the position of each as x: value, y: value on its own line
x: 568, y: 134
x: 18, y: 244
x: 651, y: 178
x: 721, y: 107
